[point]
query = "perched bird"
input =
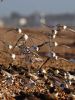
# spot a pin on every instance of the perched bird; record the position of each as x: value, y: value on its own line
x: 34, y: 48
x: 13, y: 56
x: 55, y: 44
x: 64, y: 27
x: 54, y: 36
x: 54, y: 32
x: 19, y: 30
x: 10, y: 46
x: 25, y: 37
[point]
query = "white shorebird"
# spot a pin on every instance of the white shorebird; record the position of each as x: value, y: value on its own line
x: 64, y: 27
x: 34, y: 48
x: 67, y: 27
x: 71, y: 77
x: 25, y: 37
x: 13, y: 56
x: 70, y: 82
x: 54, y: 36
x: 67, y: 86
x: 55, y: 44
x: 56, y: 94
x: 51, y: 85
x: 55, y: 32
x: 44, y: 71
x: 37, y: 48
x: 60, y: 27
x: 50, y: 55
x: 10, y: 46
x: 57, y: 71
x: 54, y: 55
x: 65, y: 76
x: 19, y: 30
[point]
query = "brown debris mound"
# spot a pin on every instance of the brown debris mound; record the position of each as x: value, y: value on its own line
x: 32, y: 67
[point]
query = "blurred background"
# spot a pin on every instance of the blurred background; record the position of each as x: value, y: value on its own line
x: 33, y: 13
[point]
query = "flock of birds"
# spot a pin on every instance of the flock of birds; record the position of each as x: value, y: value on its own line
x: 56, y: 83
x: 34, y: 49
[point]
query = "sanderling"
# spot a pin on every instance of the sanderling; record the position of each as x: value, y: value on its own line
x: 13, y: 56
x: 26, y: 37
x: 10, y: 46
x: 55, y: 44
x: 19, y: 30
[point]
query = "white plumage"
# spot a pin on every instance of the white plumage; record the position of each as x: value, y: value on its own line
x: 54, y: 54
x: 54, y: 36
x: 55, y: 31
x: 19, y: 30
x: 26, y: 37
x: 56, y: 57
x: 64, y: 27
x: 13, y: 56
x: 55, y: 44
x: 10, y: 46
